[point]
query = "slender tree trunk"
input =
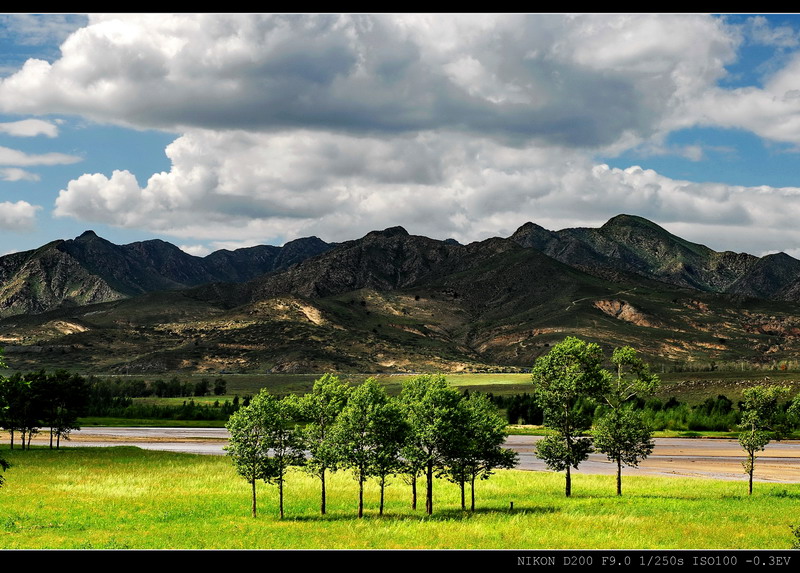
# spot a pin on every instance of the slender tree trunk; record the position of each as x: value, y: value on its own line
x: 322, y: 503
x: 568, y: 487
x: 58, y: 441
x: 752, y: 469
x: 429, y: 488
x: 12, y: 438
x: 619, y: 476
x: 360, y: 498
x: 51, y: 437
x: 383, y: 487
x: 568, y: 436
x: 280, y: 495
x: 253, y: 484
x: 472, y: 493
x: 463, y: 501
x: 414, y: 492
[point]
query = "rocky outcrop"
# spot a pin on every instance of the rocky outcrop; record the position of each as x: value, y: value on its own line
x: 621, y: 310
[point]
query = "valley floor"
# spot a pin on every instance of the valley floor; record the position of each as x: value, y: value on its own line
x: 672, y: 457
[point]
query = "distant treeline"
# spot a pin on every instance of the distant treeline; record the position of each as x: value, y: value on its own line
x: 715, y: 414
x: 172, y: 388
x: 730, y: 366
x: 35, y: 400
x: 114, y: 398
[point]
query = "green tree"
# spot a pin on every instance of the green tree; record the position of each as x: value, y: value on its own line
x: 248, y: 446
x: 572, y: 370
x: 21, y: 395
x: 369, y: 434
x: 320, y: 409
x: 202, y: 388
x: 265, y: 442
x: 625, y: 437
x: 65, y: 398
x: 479, y: 450
x: 413, y: 468
x: 391, y: 434
x: 220, y: 387
x: 622, y: 433
x: 760, y: 414
x: 431, y: 410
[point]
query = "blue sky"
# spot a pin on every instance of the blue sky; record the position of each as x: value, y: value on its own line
x: 224, y: 131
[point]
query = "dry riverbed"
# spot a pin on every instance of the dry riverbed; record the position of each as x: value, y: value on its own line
x: 678, y: 457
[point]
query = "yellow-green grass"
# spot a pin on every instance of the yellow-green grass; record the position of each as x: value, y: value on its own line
x: 130, y: 498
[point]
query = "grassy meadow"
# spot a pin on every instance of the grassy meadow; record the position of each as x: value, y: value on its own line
x: 124, y: 497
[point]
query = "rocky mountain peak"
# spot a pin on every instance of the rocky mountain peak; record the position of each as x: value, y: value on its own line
x: 87, y: 235
x: 388, y: 233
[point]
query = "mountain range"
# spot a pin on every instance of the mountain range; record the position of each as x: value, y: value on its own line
x: 391, y: 301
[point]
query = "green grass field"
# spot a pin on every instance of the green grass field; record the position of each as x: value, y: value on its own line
x: 130, y: 498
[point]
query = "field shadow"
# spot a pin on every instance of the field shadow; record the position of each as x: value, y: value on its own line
x: 784, y: 494
x: 447, y: 514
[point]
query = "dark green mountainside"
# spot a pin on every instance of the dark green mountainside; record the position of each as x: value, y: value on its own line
x: 635, y: 245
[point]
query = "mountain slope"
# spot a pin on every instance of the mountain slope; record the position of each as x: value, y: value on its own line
x: 397, y: 302
x: 90, y: 269
x: 629, y: 244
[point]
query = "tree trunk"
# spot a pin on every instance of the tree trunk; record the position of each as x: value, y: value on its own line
x: 429, y: 488
x: 51, y: 437
x: 280, y: 495
x: 463, y: 502
x: 253, y: 484
x: 414, y: 492
x: 568, y: 487
x: 322, y: 503
x: 472, y: 492
x: 12, y: 438
x: 383, y: 487
x: 752, y: 469
x: 619, y: 476
x: 360, y: 498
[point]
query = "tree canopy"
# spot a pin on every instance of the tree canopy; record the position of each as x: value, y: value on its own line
x: 622, y: 433
x: 571, y: 371
x: 320, y: 409
x: 431, y: 409
x: 761, y: 421
x: 264, y: 442
x: 369, y: 435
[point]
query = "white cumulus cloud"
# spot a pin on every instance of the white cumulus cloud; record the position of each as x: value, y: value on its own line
x: 252, y: 188
x: 18, y: 216
x: 451, y: 125
x: 575, y: 80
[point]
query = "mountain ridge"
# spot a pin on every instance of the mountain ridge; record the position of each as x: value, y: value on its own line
x: 394, y: 301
